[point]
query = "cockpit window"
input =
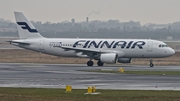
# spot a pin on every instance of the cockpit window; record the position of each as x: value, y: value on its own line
x: 163, y: 45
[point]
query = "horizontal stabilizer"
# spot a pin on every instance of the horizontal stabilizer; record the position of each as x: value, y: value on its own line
x: 19, y: 42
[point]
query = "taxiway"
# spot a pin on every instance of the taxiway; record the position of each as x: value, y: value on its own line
x: 60, y: 75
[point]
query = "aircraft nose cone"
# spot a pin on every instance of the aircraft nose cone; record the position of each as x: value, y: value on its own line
x: 171, y: 52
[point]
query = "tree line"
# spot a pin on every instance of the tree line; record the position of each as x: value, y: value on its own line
x: 97, y: 29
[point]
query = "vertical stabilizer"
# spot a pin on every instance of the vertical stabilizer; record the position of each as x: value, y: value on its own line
x: 25, y: 28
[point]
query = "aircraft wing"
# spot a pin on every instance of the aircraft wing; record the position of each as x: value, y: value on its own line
x: 91, y: 52
x: 83, y: 51
x: 80, y: 49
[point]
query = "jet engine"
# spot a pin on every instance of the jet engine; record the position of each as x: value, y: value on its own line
x: 108, y: 58
x: 124, y: 60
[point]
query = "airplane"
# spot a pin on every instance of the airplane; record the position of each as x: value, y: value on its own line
x: 107, y: 51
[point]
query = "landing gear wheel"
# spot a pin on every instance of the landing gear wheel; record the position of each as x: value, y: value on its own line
x: 151, y: 65
x: 99, y: 63
x: 90, y: 63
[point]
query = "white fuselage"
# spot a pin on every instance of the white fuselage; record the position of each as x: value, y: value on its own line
x: 125, y: 48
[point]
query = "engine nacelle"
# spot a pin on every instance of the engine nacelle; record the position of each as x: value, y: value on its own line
x: 108, y: 58
x: 124, y: 60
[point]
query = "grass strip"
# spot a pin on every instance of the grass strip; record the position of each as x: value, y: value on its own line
x: 139, y: 72
x: 42, y: 94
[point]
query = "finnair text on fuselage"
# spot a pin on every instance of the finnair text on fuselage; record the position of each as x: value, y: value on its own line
x: 102, y: 44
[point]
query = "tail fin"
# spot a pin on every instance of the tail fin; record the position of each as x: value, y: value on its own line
x: 25, y: 28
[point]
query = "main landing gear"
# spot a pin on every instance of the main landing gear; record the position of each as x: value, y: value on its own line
x: 99, y: 63
x: 151, y: 63
x: 91, y: 63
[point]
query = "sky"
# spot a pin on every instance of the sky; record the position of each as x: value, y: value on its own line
x: 145, y: 11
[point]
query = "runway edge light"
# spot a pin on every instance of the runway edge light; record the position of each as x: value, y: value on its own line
x: 68, y: 88
x: 92, y: 90
x: 121, y: 70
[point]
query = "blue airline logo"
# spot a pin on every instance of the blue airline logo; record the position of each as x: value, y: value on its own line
x: 24, y: 25
x: 113, y: 44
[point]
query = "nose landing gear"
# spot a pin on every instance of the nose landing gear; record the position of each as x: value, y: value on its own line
x: 151, y: 63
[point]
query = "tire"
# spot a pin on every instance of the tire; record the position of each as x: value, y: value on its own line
x: 99, y: 63
x: 151, y: 65
x: 90, y: 63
